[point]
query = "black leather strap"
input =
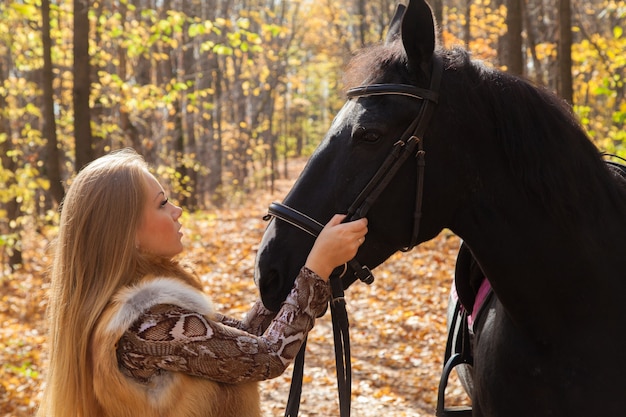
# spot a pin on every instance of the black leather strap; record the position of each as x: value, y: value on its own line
x: 341, y: 337
x: 395, y: 89
x: 341, y: 334
x: 295, y: 391
x: 294, y: 218
x: 313, y: 227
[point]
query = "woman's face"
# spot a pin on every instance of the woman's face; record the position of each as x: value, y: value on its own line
x: 159, y: 230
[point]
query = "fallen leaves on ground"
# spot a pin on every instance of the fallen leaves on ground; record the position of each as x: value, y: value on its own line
x: 397, y: 325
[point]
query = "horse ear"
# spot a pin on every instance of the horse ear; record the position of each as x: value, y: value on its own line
x: 418, y: 34
x: 394, y: 27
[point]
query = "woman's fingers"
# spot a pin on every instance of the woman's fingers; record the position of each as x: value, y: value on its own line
x: 337, y: 244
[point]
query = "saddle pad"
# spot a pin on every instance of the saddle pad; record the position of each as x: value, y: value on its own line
x: 471, y: 286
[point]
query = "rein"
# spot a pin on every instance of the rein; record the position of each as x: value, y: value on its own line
x: 410, y: 143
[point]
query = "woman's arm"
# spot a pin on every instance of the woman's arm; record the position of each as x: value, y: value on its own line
x: 170, y: 338
x: 255, y: 322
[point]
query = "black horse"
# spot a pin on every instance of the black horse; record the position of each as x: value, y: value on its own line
x: 510, y: 171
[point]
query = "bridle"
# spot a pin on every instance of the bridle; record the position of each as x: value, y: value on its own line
x: 410, y: 143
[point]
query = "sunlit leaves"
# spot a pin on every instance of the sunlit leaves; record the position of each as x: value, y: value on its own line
x: 279, y: 74
x: 600, y: 69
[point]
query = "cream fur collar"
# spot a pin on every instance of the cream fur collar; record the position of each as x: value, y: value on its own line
x: 133, y: 301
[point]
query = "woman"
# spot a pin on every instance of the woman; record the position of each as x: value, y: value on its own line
x: 132, y: 334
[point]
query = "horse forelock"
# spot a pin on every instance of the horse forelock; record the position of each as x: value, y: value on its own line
x: 371, y: 64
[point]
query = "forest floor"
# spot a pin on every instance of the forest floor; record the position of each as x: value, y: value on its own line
x: 397, y: 325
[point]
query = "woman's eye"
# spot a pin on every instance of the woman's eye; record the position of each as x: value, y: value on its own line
x: 164, y: 202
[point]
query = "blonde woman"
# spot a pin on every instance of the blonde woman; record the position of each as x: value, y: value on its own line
x: 131, y: 332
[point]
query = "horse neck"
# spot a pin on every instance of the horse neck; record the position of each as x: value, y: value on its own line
x: 546, y: 272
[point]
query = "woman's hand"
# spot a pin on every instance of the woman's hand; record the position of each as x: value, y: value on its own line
x: 336, y: 244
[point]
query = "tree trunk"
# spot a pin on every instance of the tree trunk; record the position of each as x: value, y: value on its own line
x: 82, y: 85
x: 127, y: 126
x: 531, y: 41
x: 12, y: 224
x: 52, y: 167
x: 215, y: 165
x: 363, y: 26
x: 564, y: 82
x: 467, y: 33
x: 512, y: 51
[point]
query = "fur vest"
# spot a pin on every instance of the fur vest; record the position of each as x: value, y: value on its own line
x: 171, y: 394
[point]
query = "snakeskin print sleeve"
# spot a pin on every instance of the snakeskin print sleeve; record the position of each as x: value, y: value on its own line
x: 170, y: 338
x: 255, y: 322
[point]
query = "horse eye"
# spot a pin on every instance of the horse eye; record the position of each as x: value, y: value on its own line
x: 371, y: 137
x: 366, y: 135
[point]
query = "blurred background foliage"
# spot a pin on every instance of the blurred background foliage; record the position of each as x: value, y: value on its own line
x: 220, y: 94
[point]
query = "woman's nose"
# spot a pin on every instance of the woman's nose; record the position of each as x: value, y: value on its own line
x: 176, y: 212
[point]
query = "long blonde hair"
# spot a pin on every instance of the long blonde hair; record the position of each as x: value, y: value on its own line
x: 95, y: 255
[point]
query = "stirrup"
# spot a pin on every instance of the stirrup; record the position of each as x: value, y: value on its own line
x: 442, y: 411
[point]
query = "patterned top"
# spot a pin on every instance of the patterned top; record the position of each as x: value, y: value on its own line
x: 168, y: 338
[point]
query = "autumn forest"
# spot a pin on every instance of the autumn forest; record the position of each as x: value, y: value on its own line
x: 226, y: 99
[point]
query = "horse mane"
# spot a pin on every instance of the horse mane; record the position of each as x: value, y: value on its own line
x: 548, y: 152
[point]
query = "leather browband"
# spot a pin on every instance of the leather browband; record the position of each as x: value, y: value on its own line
x: 394, y: 89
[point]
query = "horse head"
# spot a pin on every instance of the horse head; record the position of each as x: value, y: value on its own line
x: 360, y: 139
